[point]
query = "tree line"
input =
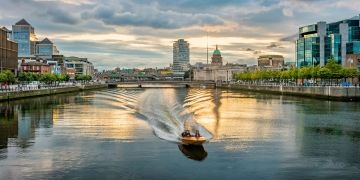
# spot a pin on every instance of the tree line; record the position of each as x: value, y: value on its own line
x: 48, y: 77
x: 9, y: 77
x: 331, y: 73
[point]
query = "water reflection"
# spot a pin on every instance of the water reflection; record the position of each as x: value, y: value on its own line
x: 277, y: 135
x: 20, y: 119
x: 197, y: 153
x: 8, y: 125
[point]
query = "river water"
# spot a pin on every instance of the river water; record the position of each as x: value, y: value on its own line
x: 129, y: 133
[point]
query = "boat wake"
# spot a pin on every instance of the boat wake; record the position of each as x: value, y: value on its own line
x: 167, y: 117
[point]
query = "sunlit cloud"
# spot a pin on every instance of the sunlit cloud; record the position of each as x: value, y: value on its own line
x: 140, y: 33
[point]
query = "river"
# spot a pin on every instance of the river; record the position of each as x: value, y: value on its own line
x: 132, y: 133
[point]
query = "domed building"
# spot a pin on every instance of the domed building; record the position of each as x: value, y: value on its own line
x: 216, y: 59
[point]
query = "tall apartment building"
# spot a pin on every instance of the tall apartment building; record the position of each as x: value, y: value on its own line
x: 321, y: 41
x: 23, y: 33
x: 8, y: 52
x: 181, y: 56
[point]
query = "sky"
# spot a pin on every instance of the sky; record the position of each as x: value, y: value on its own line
x: 140, y: 33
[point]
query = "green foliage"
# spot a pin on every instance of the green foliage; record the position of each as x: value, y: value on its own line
x: 7, y: 76
x: 331, y: 70
x: 27, y: 76
x: 83, y: 77
x: 48, y: 77
x: 2, y: 77
x: 324, y: 73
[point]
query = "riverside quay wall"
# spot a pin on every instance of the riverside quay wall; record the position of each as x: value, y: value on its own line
x: 322, y: 92
x: 5, y: 96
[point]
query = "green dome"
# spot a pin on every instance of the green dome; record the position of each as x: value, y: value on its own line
x: 217, y: 51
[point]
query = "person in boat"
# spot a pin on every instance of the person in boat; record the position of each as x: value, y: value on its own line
x: 186, y: 133
x: 197, y: 133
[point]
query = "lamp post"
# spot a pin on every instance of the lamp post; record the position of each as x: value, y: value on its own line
x: 312, y: 74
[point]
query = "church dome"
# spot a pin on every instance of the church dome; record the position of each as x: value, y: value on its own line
x: 217, y: 51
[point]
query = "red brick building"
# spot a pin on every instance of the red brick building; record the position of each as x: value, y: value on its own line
x: 35, y: 67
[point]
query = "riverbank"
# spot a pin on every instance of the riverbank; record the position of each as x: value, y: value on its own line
x: 6, y: 96
x: 319, y: 92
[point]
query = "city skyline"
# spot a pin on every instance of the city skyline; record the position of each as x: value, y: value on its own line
x: 136, y: 34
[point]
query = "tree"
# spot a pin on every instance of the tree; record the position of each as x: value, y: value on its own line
x: 26, y: 76
x: 83, y: 77
x: 48, y: 78
x: 7, y: 76
x: 2, y: 77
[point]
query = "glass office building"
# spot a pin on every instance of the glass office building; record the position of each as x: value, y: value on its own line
x: 322, y: 41
x: 23, y: 33
x: 45, y: 49
x: 181, y: 56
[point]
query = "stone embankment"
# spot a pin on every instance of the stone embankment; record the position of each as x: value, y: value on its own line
x: 321, y: 92
x: 5, y: 96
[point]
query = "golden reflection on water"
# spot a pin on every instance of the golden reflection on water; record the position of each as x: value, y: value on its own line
x: 98, y: 117
x: 233, y: 117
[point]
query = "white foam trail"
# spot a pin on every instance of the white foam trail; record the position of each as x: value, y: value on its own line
x: 166, y: 116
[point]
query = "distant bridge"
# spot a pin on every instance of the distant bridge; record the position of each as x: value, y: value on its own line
x: 159, y: 84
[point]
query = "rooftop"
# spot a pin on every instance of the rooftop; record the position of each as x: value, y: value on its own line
x: 46, y: 41
x: 271, y: 56
x: 34, y: 63
x: 22, y: 22
x: 217, y: 51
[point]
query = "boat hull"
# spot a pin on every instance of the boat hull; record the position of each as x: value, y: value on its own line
x: 193, y: 140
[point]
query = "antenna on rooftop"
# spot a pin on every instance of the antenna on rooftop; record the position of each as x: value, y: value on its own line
x: 207, y: 47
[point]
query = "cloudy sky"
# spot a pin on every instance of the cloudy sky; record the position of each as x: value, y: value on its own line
x: 139, y: 33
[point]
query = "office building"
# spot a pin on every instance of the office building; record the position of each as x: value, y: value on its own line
x: 81, y: 66
x: 8, y: 52
x: 321, y: 41
x: 45, y: 49
x: 181, y: 57
x: 23, y: 33
x: 270, y: 62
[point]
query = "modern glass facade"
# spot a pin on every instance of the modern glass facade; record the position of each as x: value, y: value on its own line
x: 308, y: 47
x: 353, y: 47
x: 23, y: 34
x: 316, y: 45
x: 45, y: 50
x: 333, y: 48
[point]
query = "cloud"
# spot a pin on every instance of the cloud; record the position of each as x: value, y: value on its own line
x: 140, y: 32
x: 287, y: 12
x: 290, y: 38
x: 151, y: 16
x: 57, y: 15
x: 273, y: 45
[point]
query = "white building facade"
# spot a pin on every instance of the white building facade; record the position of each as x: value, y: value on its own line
x: 217, y: 73
x: 81, y: 65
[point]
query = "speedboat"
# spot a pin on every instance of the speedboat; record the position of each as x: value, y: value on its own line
x: 189, y: 139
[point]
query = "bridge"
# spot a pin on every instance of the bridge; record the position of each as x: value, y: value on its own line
x: 161, y: 84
